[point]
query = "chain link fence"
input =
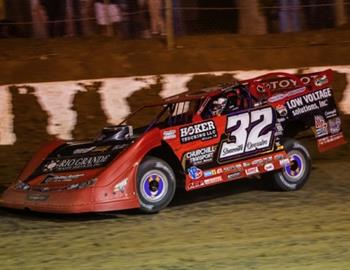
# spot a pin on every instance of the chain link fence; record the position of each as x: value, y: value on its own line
x: 130, y: 19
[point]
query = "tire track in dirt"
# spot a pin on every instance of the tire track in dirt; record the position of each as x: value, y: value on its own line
x: 232, y: 225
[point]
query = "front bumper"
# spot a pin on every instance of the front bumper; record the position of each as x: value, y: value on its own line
x: 68, y: 202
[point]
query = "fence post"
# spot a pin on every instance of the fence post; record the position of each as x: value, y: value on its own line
x: 169, y: 24
x: 109, y: 26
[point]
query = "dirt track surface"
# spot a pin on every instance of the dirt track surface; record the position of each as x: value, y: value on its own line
x: 232, y: 226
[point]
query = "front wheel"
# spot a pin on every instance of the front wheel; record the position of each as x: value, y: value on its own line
x: 156, y: 184
x: 294, y: 175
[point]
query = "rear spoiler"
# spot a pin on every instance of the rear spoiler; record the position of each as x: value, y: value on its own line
x: 282, y: 81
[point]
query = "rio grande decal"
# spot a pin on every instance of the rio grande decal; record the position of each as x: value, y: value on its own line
x: 247, y: 133
x: 81, y: 163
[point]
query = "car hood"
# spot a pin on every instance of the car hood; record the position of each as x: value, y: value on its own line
x: 77, y: 157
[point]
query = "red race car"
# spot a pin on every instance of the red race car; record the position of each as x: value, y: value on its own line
x: 196, y: 140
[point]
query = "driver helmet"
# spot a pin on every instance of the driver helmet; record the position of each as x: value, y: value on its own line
x: 218, y: 106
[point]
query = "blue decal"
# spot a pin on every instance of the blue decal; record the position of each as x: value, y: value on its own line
x: 208, y: 173
x: 195, y: 173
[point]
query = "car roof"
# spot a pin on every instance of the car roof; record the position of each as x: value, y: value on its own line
x: 201, y: 94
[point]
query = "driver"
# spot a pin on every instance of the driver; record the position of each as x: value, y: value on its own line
x: 233, y: 101
x: 218, y: 106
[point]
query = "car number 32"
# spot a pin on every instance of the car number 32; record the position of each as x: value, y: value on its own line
x: 248, y: 133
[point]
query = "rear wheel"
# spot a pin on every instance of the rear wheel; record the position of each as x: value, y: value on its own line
x: 295, y: 174
x: 156, y: 184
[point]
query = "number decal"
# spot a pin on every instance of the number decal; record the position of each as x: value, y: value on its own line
x: 248, y: 133
x: 237, y: 126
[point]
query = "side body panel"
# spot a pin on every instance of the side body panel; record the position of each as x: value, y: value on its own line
x: 114, y: 186
x: 227, y: 147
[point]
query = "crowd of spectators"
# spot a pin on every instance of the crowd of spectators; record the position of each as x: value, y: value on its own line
x: 129, y: 19
x: 56, y: 18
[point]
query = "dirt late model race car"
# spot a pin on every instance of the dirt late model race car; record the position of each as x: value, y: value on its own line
x: 196, y: 140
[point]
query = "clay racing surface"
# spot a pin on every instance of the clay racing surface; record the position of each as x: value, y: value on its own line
x: 237, y: 225
x: 232, y: 226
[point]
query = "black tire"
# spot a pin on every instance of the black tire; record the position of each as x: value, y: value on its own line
x: 295, y: 175
x: 156, y: 184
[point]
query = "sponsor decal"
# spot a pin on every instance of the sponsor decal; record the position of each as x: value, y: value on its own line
x: 195, y: 173
x: 201, y: 156
x: 196, y: 184
x: 284, y: 162
x: 102, y: 148
x: 269, y: 167
x: 230, y: 168
x: 233, y: 175
x: 279, y: 127
x: 330, y: 114
x: 80, y: 163
x: 309, y: 102
x: 209, y: 173
x: 257, y: 162
x: 334, y: 125
x: 219, y: 170
x: 330, y: 139
x: 267, y: 159
x: 320, y: 122
x: 246, y: 164
x: 239, y: 167
x: 321, y: 126
x: 120, y: 187
x: 213, y: 180
x: 83, y: 150
x: 281, y: 110
x: 60, y: 178
x: 203, y: 131
x: 248, y: 132
x: 37, y: 197
x: 92, y: 149
x: 236, y: 167
x: 281, y: 96
x: 253, y: 170
x: 321, y: 80
x: 286, y: 83
x: 213, y: 172
x: 169, y: 134
x: 279, y: 157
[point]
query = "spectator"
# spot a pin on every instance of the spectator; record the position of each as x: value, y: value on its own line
x: 107, y: 14
x: 130, y: 22
x: 4, y: 31
x: 156, y: 14
x: 73, y: 17
x: 39, y: 19
x: 289, y: 16
x: 143, y: 19
x: 56, y: 11
x: 178, y: 26
x: 86, y: 13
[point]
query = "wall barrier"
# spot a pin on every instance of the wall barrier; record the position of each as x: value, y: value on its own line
x: 56, y: 98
